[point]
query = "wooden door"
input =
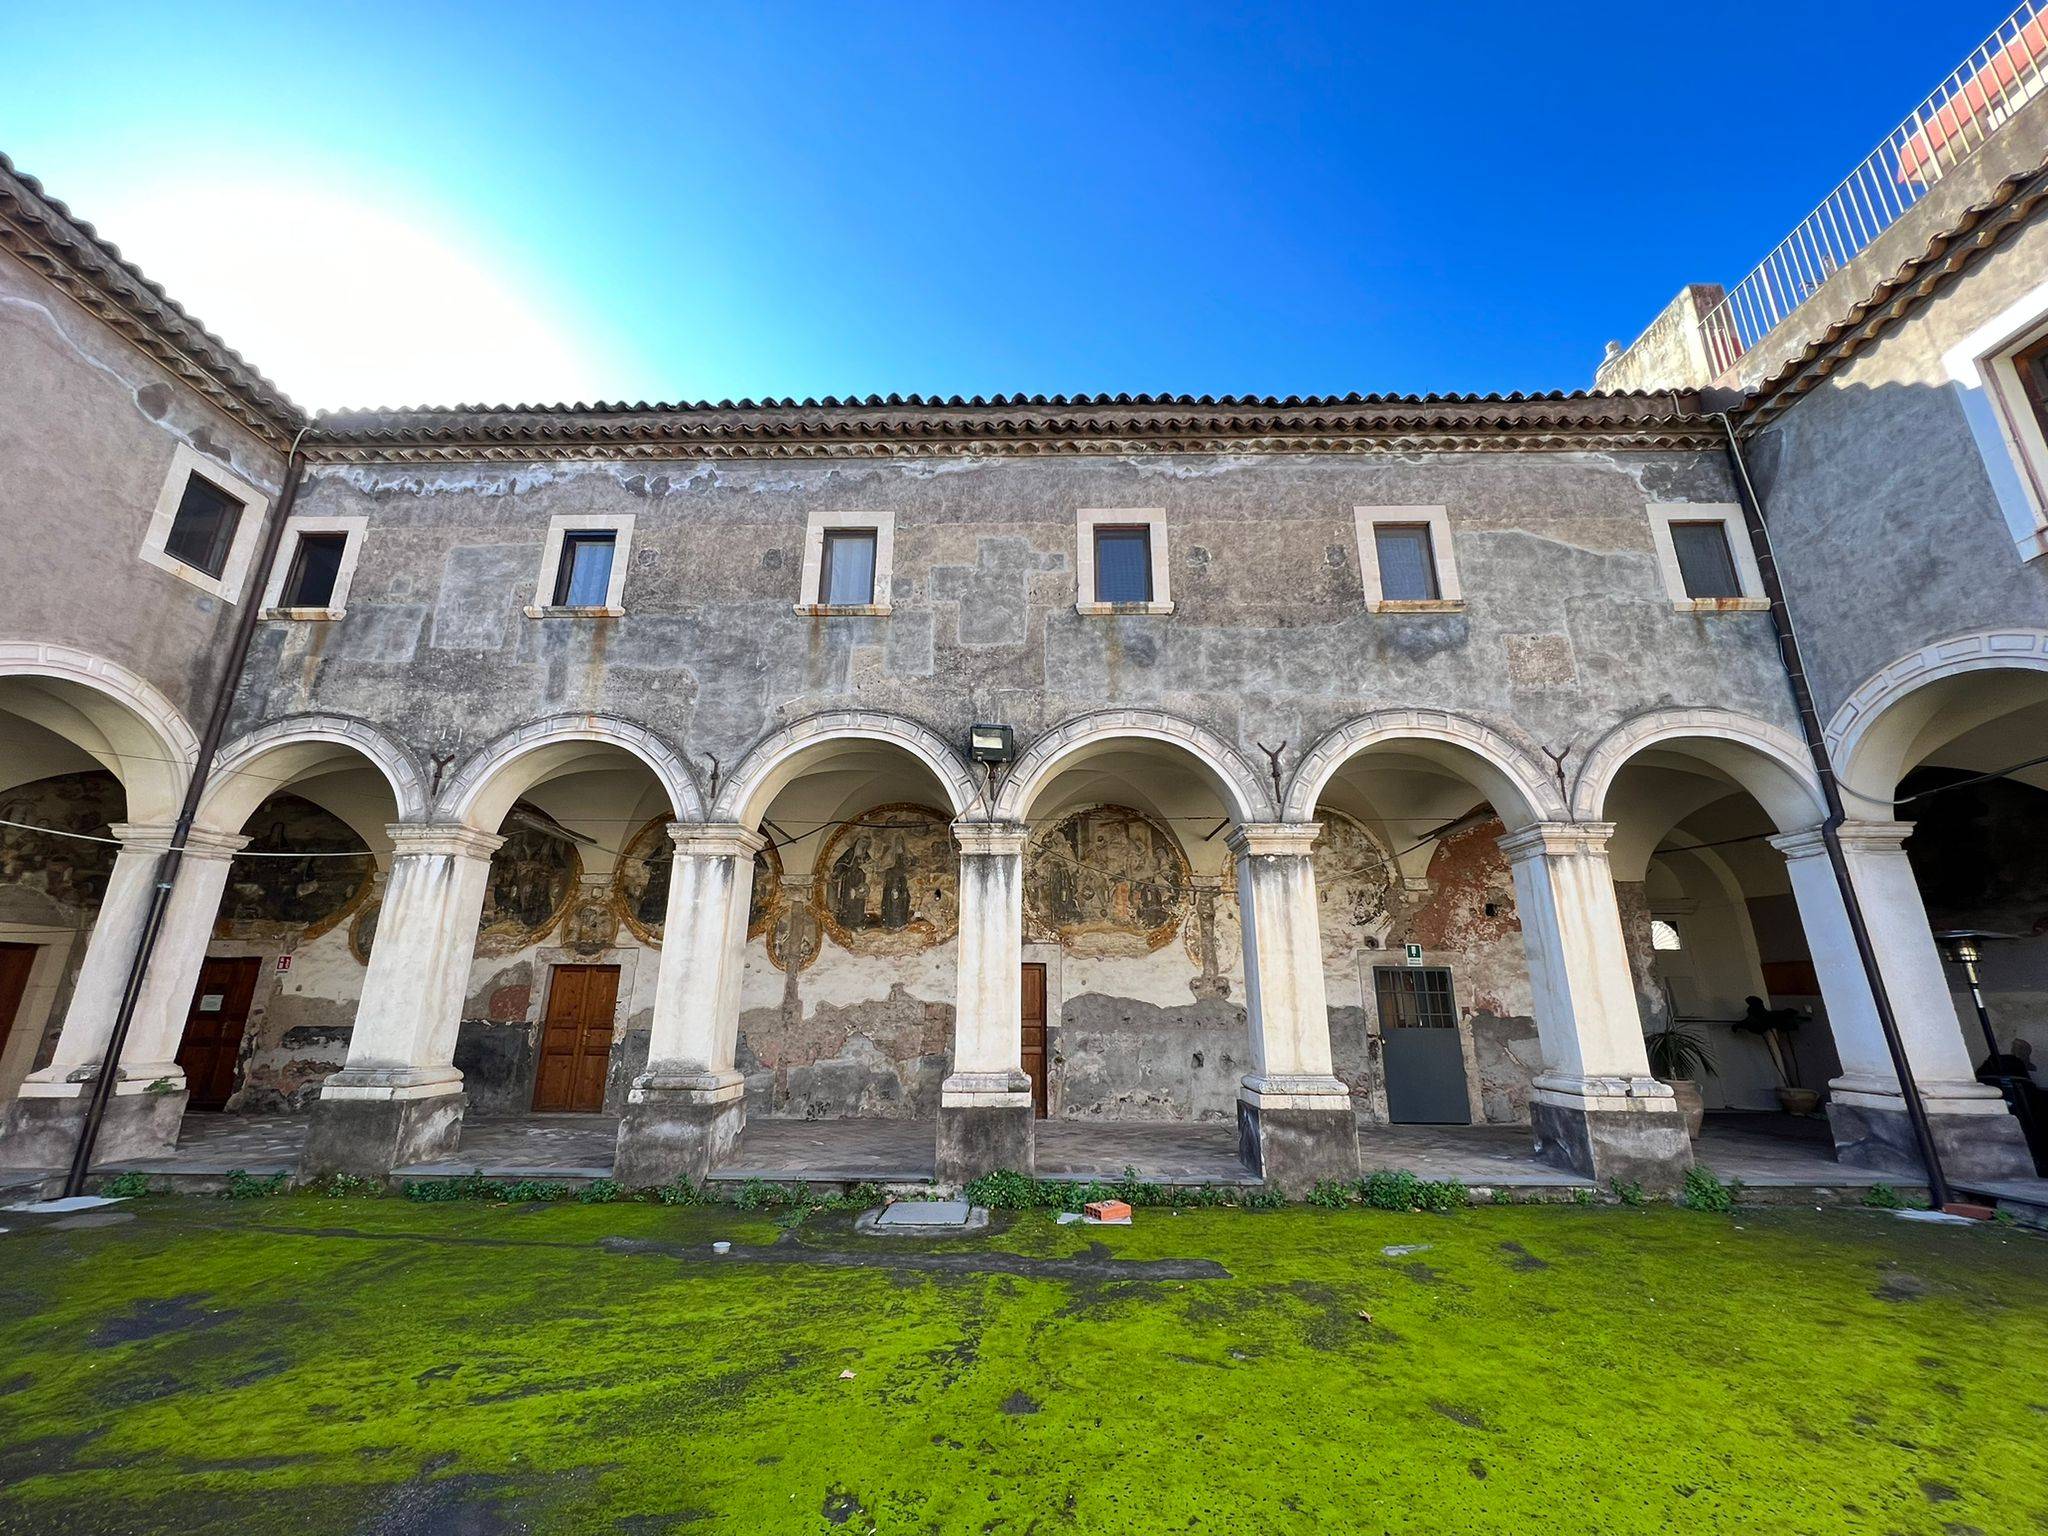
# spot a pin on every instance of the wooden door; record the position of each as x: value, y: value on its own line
x: 213, y: 1030
x: 15, y: 962
x: 1034, y: 1035
x: 576, y: 1039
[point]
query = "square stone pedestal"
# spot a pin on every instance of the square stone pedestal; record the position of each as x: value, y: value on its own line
x: 986, y: 1125
x: 678, y: 1128
x: 1628, y: 1130
x: 1294, y: 1134
x: 40, y: 1129
x: 368, y: 1134
x: 1982, y: 1146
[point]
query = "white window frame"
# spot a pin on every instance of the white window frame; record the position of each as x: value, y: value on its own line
x: 810, y: 599
x: 1153, y: 521
x: 1450, y: 596
x: 287, y: 552
x: 1664, y: 513
x: 617, y: 524
x: 2009, y: 437
x: 187, y: 461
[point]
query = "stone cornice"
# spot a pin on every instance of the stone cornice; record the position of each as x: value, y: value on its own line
x: 69, y: 254
x: 1016, y: 426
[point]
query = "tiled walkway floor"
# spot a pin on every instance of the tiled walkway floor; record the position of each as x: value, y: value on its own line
x: 1759, y: 1149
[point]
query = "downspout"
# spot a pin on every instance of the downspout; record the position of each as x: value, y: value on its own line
x: 1830, y: 829
x: 168, y: 864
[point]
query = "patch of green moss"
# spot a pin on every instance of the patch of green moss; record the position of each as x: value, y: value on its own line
x: 299, y: 1363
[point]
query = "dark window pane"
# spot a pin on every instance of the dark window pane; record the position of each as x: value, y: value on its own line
x: 1123, y: 565
x: 847, y: 578
x: 2032, y: 367
x: 314, y: 568
x: 1414, y: 997
x: 1704, y: 560
x: 204, y: 529
x: 585, y: 577
x: 1407, y: 563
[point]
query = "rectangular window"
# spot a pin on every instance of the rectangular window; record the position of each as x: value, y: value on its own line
x: 315, y: 567
x: 1407, y: 563
x: 1123, y: 565
x: 1705, y: 563
x: 2032, y: 367
x: 585, y: 576
x: 203, y: 529
x: 846, y: 575
x: 1414, y: 997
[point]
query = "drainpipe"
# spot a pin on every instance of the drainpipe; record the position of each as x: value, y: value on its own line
x: 167, y: 866
x: 1830, y: 829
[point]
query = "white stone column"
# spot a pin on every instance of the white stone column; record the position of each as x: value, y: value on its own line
x: 985, y: 1109
x: 149, y: 1091
x: 686, y: 1111
x: 150, y: 1054
x: 398, y: 1098
x: 1295, y: 1124
x: 1595, y: 1108
x: 1974, y: 1131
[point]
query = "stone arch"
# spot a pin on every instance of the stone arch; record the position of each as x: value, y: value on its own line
x: 1867, y: 735
x: 132, y: 728
x: 288, y: 746
x: 1767, y: 760
x: 1248, y: 798
x: 761, y: 774
x: 1516, y: 782
x: 469, y: 797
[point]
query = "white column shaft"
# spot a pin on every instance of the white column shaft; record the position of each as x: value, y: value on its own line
x: 1283, y: 962
x: 988, y: 1024
x: 154, y: 1034
x: 695, y: 1031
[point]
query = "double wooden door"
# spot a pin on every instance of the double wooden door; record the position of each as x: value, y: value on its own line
x: 576, y: 1038
x: 16, y: 960
x: 212, y: 1042
x: 1034, y: 1035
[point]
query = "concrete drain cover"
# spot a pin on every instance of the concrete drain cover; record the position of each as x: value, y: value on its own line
x: 925, y: 1213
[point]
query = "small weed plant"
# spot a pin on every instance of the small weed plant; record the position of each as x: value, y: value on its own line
x: 126, y: 1186
x: 1705, y: 1192
x: 242, y: 1185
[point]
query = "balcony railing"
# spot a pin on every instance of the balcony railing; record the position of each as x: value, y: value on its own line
x: 1994, y: 82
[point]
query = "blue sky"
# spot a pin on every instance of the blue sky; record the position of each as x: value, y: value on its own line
x: 393, y: 204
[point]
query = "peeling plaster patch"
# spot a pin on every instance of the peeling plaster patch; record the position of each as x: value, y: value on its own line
x: 1541, y: 661
x: 1205, y: 468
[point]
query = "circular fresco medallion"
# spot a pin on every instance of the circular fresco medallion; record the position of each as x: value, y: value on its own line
x: 284, y: 882
x: 888, y: 882
x: 362, y: 932
x: 1354, y: 884
x: 640, y: 884
x: 1106, y: 881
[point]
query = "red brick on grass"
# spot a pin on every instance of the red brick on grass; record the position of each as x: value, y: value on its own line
x: 1107, y: 1210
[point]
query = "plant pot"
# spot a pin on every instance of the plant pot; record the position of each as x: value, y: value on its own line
x: 1690, y: 1105
x: 1799, y: 1101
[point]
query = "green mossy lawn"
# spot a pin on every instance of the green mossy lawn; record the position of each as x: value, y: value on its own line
x: 311, y: 1365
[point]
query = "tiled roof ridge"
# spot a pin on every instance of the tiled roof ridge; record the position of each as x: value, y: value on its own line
x: 47, y: 236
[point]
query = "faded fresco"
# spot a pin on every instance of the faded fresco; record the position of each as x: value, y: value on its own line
x: 1354, y: 885
x: 284, y: 881
x: 66, y: 870
x: 362, y: 930
x: 640, y: 884
x: 888, y: 882
x: 1105, y: 881
x: 533, y: 879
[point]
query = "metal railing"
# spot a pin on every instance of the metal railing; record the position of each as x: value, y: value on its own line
x: 2000, y: 76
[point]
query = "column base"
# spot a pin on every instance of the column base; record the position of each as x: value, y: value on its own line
x: 40, y: 1129
x: 369, y: 1123
x: 1294, y: 1132
x: 678, y: 1126
x: 986, y: 1125
x: 1625, y: 1130
x: 1976, y: 1136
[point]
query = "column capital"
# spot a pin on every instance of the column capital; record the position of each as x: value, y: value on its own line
x: 454, y: 839
x: 155, y: 837
x: 1874, y: 836
x: 1265, y: 839
x: 1556, y: 839
x: 715, y: 839
x: 991, y: 839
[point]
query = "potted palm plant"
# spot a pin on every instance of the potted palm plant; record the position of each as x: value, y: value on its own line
x: 1678, y: 1056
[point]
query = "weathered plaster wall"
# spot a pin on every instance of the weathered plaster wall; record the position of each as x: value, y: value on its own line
x: 87, y: 430
x: 1887, y: 530
x: 1566, y: 628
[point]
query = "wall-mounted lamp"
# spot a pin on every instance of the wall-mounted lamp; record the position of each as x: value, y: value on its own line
x: 991, y: 744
